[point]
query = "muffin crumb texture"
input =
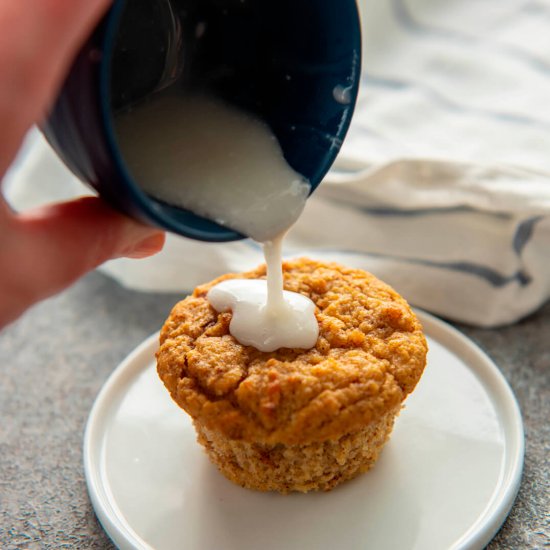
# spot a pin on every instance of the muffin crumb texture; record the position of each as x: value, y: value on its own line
x: 296, y: 420
x: 286, y: 468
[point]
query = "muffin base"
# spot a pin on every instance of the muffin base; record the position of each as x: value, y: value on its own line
x: 286, y: 468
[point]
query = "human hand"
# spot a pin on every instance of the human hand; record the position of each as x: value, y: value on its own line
x: 45, y: 250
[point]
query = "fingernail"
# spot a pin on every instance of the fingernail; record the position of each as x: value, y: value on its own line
x: 147, y: 247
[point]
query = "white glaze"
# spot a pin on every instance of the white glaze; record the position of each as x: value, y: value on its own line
x: 273, y: 254
x: 199, y: 153
x: 254, y: 324
x: 264, y: 315
x: 342, y: 94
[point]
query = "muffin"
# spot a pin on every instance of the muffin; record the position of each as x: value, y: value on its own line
x: 293, y: 419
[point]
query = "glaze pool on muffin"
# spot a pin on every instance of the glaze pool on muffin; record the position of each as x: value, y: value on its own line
x: 292, y: 419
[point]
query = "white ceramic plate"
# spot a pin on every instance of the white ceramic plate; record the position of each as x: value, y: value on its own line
x: 446, y: 479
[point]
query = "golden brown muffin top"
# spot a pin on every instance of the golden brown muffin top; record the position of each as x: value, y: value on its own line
x: 369, y: 355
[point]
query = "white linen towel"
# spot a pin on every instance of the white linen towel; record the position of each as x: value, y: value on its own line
x: 442, y: 188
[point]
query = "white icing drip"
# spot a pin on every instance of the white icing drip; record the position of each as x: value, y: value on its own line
x: 342, y: 94
x: 265, y: 316
x: 254, y: 324
x: 273, y: 253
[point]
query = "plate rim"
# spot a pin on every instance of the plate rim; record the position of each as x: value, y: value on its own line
x: 503, y: 398
x: 493, y: 381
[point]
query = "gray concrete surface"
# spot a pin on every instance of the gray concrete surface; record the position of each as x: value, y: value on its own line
x: 55, y: 359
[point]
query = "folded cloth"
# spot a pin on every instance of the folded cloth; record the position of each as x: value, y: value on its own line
x: 442, y: 187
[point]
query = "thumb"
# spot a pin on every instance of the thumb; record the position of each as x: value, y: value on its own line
x: 43, y: 251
